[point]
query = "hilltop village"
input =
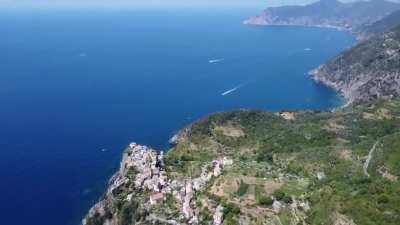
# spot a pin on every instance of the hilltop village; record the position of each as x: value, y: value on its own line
x: 150, y: 175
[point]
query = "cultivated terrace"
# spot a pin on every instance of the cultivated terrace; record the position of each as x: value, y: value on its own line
x: 256, y: 167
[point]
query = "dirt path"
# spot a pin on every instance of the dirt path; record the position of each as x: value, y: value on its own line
x: 370, y: 154
x: 162, y: 220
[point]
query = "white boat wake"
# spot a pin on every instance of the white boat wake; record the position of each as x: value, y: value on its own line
x: 231, y: 90
x: 215, y: 60
x: 307, y: 49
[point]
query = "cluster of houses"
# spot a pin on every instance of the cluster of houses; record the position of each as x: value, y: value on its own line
x: 197, y: 184
x: 148, y: 165
x: 150, y: 175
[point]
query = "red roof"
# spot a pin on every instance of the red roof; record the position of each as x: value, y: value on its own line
x: 157, y: 196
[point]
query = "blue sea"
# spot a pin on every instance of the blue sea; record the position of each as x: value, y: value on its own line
x: 77, y: 87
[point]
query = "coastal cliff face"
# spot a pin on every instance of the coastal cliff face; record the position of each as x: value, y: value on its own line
x: 368, y: 71
x: 327, y: 13
x: 255, y: 167
x: 140, y: 172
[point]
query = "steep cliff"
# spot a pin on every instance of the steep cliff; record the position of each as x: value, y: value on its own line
x: 368, y: 71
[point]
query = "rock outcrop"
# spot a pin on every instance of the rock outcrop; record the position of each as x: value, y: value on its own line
x: 141, y: 169
x: 368, y: 71
x: 218, y: 215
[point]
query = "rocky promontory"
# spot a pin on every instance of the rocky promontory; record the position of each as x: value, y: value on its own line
x: 326, y: 13
x: 366, y: 72
x: 142, y: 185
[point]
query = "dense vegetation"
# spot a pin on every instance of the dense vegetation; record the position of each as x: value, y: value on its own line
x: 295, y: 151
x: 307, y: 167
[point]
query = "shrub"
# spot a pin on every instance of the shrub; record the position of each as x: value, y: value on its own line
x: 287, y: 199
x: 96, y: 219
x: 264, y: 156
x: 383, y: 199
x: 129, y: 213
x: 279, y: 194
x: 230, y: 209
x: 207, y: 216
x: 215, y: 198
x: 265, y: 201
x: 294, y: 168
x: 242, y: 190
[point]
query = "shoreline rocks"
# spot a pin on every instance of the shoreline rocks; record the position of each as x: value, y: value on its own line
x: 178, y: 137
x: 367, y: 72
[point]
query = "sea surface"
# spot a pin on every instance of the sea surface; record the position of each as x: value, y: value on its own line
x: 77, y: 87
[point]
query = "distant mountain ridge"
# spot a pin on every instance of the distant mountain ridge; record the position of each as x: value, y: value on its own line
x: 327, y: 13
x: 380, y: 26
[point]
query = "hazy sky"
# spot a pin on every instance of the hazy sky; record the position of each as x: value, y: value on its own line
x: 131, y: 4
x: 135, y: 4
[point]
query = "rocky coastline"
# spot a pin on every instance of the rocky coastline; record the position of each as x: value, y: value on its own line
x: 367, y: 72
x: 180, y: 136
x: 357, y: 18
x: 339, y: 87
x: 265, y: 20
